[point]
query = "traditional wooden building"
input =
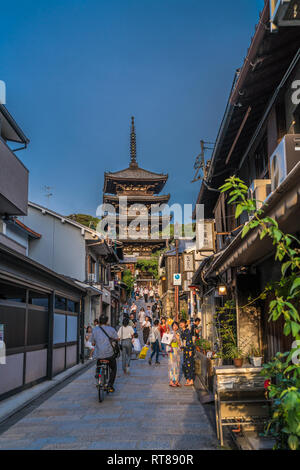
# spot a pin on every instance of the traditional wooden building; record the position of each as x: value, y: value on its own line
x: 259, y: 142
x: 142, y: 189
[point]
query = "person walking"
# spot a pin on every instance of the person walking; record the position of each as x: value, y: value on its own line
x: 149, y: 312
x: 188, y: 353
x: 146, y: 329
x: 134, y: 326
x: 146, y: 293
x: 174, y: 357
x: 126, y: 334
x: 141, y: 292
x: 88, y: 345
x: 151, y: 295
x: 155, y: 312
x: 125, y: 309
x: 131, y: 319
x: 163, y: 328
x: 154, y: 339
x: 141, y: 316
x: 133, y: 309
x: 136, y: 345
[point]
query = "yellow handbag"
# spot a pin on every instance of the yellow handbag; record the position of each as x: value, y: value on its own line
x: 143, y: 352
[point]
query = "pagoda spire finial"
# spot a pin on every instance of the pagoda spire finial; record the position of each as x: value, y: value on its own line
x: 133, y: 162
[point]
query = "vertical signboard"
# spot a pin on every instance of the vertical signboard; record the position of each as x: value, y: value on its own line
x: 188, y: 262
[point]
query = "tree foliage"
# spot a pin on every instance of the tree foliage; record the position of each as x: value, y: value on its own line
x: 85, y: 219
x: 128, y: 279
x: 283, y: 372
x: 149, y: 266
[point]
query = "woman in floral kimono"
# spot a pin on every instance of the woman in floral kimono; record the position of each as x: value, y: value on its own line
x: 174, y: 357
x: 188, y: 354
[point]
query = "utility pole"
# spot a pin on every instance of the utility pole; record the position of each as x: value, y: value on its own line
x: 200, y: 164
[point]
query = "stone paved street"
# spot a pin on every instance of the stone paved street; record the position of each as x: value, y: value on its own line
x: 143, y: 413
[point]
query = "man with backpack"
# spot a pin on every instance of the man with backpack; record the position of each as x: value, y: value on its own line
x: 155, y: 340
x: 105, y: 339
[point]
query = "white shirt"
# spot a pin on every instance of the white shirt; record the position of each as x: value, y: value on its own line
x: 155, y: 335
x: 149, y: 313
x: 136, y: 344
x: 126, y: 332
x: 142, y: 316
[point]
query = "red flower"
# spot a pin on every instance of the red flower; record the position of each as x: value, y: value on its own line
x: 267, y: 384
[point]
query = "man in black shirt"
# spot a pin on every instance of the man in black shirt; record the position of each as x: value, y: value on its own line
x: 196, y: 328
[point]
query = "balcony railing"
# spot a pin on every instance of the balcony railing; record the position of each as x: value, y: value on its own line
x: 91, y: 278
x: 13, y: 183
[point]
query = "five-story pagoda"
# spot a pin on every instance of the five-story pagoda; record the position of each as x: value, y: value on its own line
x: 134, y: 194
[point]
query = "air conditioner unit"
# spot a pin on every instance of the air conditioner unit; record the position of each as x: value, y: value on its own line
x: 259, y: 190
x: 284, y: 13
x: 283, y: 160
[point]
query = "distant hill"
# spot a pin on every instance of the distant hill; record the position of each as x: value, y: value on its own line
x: 85, y: 219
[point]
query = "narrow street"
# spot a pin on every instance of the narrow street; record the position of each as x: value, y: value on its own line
x: 143, y: 413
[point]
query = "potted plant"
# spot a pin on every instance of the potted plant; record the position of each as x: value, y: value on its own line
x: 255, y: 357
x: 236, y: 353
x: 206, y: 346
x: 198, y: 344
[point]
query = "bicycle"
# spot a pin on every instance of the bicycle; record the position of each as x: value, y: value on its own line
x: 102, y: 376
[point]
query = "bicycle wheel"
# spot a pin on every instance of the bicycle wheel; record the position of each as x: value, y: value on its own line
x: 107, y: 381
x: 101, y: 387
x: 100, y: 393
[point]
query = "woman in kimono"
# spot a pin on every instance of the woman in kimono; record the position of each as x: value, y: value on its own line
x: 174, y: 357
x: 147, y: 324
x: 188, y: 353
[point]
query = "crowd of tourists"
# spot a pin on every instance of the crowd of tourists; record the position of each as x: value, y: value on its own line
x: 146, y: 329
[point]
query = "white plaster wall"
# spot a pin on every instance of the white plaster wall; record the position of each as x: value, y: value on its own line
x: 61, y: 247
x: 16, y: 235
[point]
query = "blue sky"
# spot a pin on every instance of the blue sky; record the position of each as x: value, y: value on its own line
x: 77, y: 70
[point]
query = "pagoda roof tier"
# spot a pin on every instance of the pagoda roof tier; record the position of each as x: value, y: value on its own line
x: 133, y: 176
x: 161, y: 218
x: 142, y: 241
x: 107, y: 198
x: 136, y: 176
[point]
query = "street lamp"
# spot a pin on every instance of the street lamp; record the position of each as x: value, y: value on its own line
x: 222, y: 290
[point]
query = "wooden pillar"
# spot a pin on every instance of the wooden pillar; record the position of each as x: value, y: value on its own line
x: 80, y: 332
x: 50, y: 336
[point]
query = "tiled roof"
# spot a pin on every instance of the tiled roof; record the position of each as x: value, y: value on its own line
x: 135, y: 172
x: 27, y: 229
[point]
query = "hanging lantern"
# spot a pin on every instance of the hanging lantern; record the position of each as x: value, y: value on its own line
x: 222, y: 290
